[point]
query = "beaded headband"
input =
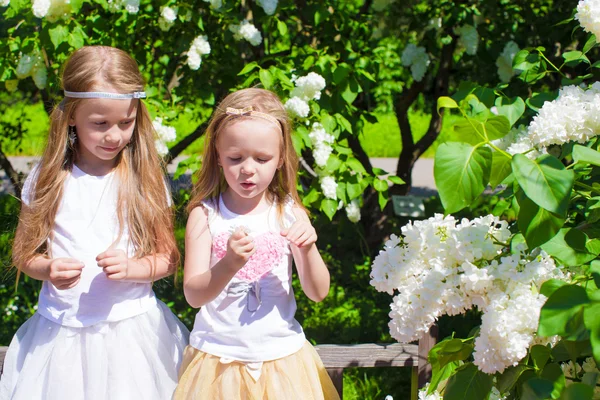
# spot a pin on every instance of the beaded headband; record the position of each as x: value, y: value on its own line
x: 249, y: 112
x: 105, y: 95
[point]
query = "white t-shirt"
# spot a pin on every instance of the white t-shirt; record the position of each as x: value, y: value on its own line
x: 252, y: 319
x: 86, y: 225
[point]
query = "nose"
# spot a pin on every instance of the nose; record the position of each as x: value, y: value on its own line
x: 112, y: 136
x: 248, y: 167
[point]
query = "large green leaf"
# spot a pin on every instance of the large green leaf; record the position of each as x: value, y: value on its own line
x: 537, y: 389
x: 512, y: 108
x: 497, y: 127
x: 561, y: 310
x: 578, y: 391
x: 468, y: 383
x: 510, y: 376
x: 461, y: 173
x: 569, y: 245
x: 591, y: 317
x: 446, y: 102
x: 469, y: 131
x: 58, y: 35
x: 545, y: 181
x: 554, y: 373
x: 535, y: 223
x: 540, y: 356
x: 566, y: 350
x: 501, y: 168
x: 586, y: 155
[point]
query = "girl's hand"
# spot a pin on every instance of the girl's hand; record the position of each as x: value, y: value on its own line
x: 115, y: 264
x: 240, y: 248
x: 301, y: 233
x: 65, y: 273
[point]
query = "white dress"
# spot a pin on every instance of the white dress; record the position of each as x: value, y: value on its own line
x: 101, y: 339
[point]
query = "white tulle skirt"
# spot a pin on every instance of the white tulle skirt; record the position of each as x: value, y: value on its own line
x: 136, y: 358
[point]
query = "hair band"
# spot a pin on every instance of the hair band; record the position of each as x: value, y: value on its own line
x: 249, y: 111
x: 105, y: 95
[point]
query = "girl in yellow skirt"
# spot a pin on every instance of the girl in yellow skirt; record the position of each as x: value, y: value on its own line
x: 246, y: 224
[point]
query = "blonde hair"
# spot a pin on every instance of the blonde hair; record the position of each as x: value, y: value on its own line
x: 210, y: 183
x: 142, y: 195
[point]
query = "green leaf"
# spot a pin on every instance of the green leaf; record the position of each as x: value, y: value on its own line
x: 396, y: 180
x: 383, y: 198
x: 343, y: 122
x: 586, y: 155
x: 561, y: 309
x: 501, y: 168
x: 512, y: 108
x: 329, y: 207
x: 469, y: 131
x: 266, y: 78
x: 550, y: 286
x: 575, y: 57
x: 461, y: 173
x: 553, y: 372
x: 355, y: 165
x: 545, y: 181
x: 497, y: 127
x: 58, y: 35
x: 248, y: 67
x: 569, y: 246
x: 351, y: 90
x: 595, y: 270
x: 454, y: 350
x: 311, y: 197
x: 589, y: 44
x: 578, y: 391
x: 510, y: 376
x: 591, y: 318
x: 571, y: 350
x: 446, y: 102
x: 282, y: 27
x: 537, y: 224
x: 341, y: 73
x: 468, y: 382
x: 380, y: 185
x: 537, y: 389
x: 354, y: 190
x: 540, y: 356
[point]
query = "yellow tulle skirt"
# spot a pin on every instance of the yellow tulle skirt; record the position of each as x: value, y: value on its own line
x: 299, y: 376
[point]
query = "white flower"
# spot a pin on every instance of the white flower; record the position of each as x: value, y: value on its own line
x: 164, y: 132
x: 573, y: 116
x: 40, y: 7
x: 321, y: 142
x: 161, y: 147
x: 433, y: 396
x: 353, y: 211
x: 168, y: 13
x: 247, y: 31
x: 417, y: 59
x: 11, y: 85
x: 268, y: 5
x: 518, y: 141
x: 214, y: 4
x: 297, y: 106
x: 4, y: 3
x: 131, y: 6
x: 309, y: 87
x: 505, y: 60
x: 329, y: 187
x: 589, y: 365
x: 588, y: 15
x: 199, y: 47
x: 468, y: 38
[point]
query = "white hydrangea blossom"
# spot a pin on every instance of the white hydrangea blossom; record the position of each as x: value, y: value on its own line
x: 4, y: 3
x: 321, y: 142
x: 168, y: 15
x: 41, y: 7
x: 417, y: 59
x: 573, y: 116
x: 247, y: 31
x: 131, y: 6
x: 309, y: 87
x: 215, y: 4
x: 33, y: 65
x: 505, y: 60
x: 199, y: 48
x: 269, y: 6
x: 52, y: 10
x: 353, y: 211
x: 518, y: 141
x: 298, y: 107
x: 164, y: 134
x: 329, y: 187
x: 588, y: 15
x: 443, y: 266
x: 468, y: 38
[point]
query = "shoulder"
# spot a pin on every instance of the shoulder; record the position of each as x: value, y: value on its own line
x: 197, y: 222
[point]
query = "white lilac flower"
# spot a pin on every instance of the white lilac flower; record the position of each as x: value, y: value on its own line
x: 298, y: 107
x: 40, y: 7
x: 321, y: 142
x: 161, y: 147
x: 518, y: 141
x: 247, y: 31
x: 329, y: 187
x: 353, y: 211
x: 468, y: 38
x: 131, y: 6
x: 214, y: 4
x: 269, y: 6
x: 168, y: 15
x: 433, y: 396
x: 4, y: 3
x: 52, y: 10
x: 417, y: 59
x: 164, y: 132
x: 573, y: 116
x: 199, y: 47
x: 309, y: 87
x: 505, y: 61
x: 589, y: 365
x: 11, y: 85
x: 588, y: 15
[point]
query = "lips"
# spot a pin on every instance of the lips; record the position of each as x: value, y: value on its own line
x: 248, y: 185
x: 110, y: 149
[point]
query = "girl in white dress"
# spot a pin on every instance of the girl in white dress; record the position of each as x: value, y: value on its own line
x: 96, y: 228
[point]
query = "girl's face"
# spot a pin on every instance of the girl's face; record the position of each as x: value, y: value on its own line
x: 250, y: 153
x: 104, y: 127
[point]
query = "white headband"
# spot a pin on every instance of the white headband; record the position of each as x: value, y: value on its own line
x: 105, y: 95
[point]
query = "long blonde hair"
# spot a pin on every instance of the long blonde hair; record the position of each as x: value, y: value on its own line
x: 142, y: 195
x: 210, y: 181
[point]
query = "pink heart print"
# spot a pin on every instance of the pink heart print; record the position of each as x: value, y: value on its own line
x: 270, y: 249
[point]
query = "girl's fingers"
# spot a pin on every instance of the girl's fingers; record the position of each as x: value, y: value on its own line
x: 118, y: 276
x: 68, y: 275
x: 303, y: 238
x: 113, y: 269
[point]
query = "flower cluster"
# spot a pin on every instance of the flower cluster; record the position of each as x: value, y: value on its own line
x: 468, y: 38
x: 417, y: 59
x: 443, y: 266
x: 321, y: 142
x: 131, y: 6
x: 329, y: 187
x: 52, y: 10
x: 4, y: 3
x: 33, y: 65
x: 518, y: 141
x: 168, y: 15
x: 505, y: 60
x: 306, y: 88
x: 588, y: 15
x: 199, y: 48
x: 165, y: 134
x: 215, y: 4
x: 269, y: 6
x: 246, y: 31
x: 353, y: 211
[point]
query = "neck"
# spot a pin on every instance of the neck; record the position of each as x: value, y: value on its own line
x: 241, y: 205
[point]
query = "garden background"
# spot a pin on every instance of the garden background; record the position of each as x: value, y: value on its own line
x: 366, y: 79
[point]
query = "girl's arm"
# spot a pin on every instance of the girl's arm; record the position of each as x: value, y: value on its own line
x: 202, y: 284
x: 117, y: 266
x: 314, y: 275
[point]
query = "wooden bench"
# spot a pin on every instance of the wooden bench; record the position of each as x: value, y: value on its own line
x: 337, y: 357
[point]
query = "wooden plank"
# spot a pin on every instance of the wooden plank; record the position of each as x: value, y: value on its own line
x: 3, y: 351
x: 369, y: 355
x: 425, y: 344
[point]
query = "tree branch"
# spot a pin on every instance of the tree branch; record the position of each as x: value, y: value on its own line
x: 185, y: 142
